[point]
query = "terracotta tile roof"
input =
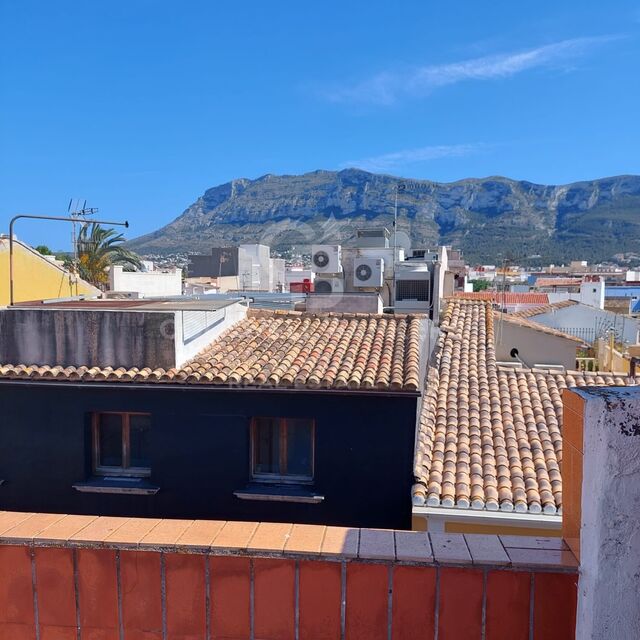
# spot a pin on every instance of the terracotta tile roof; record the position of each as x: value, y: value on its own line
x: 490, y: 438
x: 558, y: 282
x: 544, y: 308
x: 282, y: 349
x: 507, y: 297
x: 524, y: 321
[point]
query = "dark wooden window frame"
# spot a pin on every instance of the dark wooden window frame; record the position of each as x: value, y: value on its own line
x: 125, y: 470
x: 281, y: 477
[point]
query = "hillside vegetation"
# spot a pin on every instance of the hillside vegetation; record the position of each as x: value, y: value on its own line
x: 488, y: 218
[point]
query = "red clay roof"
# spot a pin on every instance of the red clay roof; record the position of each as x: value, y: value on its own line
x: 507, y: 297
x: 545, y: 308
x: 558, y: 282
x: 491, y: 437
x: 281, y: 349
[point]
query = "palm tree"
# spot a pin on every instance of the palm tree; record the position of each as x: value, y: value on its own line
x: 98, y: 249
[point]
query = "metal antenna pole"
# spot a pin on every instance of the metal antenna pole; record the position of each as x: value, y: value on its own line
x: 400, y: 186
x: 78, y: 214
x: 26, y: 215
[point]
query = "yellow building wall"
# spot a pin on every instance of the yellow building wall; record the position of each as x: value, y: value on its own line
x: 35, y: 278
x: 420, y: 523
x: 461, y: 527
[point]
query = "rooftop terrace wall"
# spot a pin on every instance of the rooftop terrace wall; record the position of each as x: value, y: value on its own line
x: 143, y: 579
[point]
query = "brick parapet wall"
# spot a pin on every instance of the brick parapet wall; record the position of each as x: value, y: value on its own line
x: 141, y: 579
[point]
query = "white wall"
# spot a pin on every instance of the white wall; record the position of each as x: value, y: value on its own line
x: 534, y: 347
x: 276, y: 274
x: 592, y: 293
x: 231, y: 314
x: 345, y: 303
x: 148, y: 284
x: 258, y: 256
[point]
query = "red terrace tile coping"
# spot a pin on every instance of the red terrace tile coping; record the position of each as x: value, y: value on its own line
x: 283, y: 540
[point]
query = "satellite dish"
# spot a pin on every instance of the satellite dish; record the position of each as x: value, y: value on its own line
x: 401, y: 240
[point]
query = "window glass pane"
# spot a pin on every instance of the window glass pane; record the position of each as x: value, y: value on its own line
x: 139, y: 441
x: 299, y: 448
x: 267, y: 445
x: 110, y: 439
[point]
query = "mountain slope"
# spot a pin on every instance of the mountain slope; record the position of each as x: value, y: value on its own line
x: 487, y: 218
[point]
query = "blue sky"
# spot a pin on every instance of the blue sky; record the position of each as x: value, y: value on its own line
x: 140, y: 105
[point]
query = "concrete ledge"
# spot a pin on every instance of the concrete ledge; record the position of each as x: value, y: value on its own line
x: 130, y: 486
x: 286, y: 541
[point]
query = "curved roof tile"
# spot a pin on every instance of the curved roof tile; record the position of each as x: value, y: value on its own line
x: 490, y: 437
x: 275, y: 349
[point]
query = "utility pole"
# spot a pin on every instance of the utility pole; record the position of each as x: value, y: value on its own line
x: 400, y: 186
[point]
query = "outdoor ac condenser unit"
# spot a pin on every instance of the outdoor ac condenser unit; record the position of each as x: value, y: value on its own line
x: 412, y: 287
x: 368, y: 272
x: 328, y: 285
x: 326, y: 258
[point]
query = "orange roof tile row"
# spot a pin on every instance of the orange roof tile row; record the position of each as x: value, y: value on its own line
x: 545, y: 308
x: 508, y: 297
x: 558, y: 282
x: 271, y: 349
x: 490, y: 438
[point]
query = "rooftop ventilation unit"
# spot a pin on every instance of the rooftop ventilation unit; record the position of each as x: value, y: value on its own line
x: 328, y: 285
x: 373, y: 237
x: 326, y: 258
x: 412, y: 287
x: 368, y: 272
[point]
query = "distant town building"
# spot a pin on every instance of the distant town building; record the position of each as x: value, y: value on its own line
x: 512, y: 302
x: 297, y: 276
x: 247, y: 267
x: 558, y: 285
x: 147, y: 284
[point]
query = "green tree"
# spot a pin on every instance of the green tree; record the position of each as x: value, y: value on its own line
x: 43, y: 250
x: 480, y: 285
x: 98, y: 249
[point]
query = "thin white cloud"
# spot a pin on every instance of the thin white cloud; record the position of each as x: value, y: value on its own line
x: 392, y: 161
x: 388, y: 87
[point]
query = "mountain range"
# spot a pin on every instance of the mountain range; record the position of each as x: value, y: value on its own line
x: 488, y: 218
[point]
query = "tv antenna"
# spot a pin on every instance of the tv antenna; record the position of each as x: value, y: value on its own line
x: 78, y: 213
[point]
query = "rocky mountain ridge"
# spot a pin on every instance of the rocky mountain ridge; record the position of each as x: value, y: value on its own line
x: 488, y: 218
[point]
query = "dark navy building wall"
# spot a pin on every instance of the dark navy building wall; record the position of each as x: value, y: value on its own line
x: 200, y: 452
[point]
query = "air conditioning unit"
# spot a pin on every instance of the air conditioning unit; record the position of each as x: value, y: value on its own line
x: 412, y: 287
x: 328, y: 285
x: 326, y: 258
x: 368, y: 272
